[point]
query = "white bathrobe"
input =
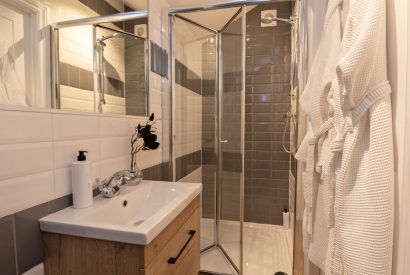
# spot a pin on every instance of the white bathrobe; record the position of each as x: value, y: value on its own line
x: 352, y: 151
x: 315, y: 102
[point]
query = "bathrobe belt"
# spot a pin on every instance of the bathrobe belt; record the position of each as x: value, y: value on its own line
x: 335, y: 146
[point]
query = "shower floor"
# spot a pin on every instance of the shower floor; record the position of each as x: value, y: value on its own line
x: 267, y: 248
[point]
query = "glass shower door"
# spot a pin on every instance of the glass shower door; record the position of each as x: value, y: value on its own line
x: 231, y: 138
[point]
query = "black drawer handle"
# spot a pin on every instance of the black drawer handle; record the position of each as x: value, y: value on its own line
x: 173, y: 260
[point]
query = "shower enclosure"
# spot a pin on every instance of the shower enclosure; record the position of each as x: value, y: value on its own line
x: 233, y: 124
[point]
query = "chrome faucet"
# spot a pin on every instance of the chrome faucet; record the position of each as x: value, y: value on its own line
x: 111, y: 187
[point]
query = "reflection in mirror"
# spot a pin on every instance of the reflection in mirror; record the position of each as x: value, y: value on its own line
x: 23, y: 64
x: 102, y: 64
x: 121, y: 72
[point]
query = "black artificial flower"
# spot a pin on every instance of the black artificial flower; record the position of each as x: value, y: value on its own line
x: 146, y: 133
x: 150, y: 142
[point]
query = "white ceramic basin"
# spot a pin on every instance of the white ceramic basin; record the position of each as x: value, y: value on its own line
x: 137, y: 215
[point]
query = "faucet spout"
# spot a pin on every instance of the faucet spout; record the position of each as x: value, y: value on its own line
x: 111, y: 187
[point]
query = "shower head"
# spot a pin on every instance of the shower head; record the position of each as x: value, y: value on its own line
x: 103, y: 38
x: 269, y: 18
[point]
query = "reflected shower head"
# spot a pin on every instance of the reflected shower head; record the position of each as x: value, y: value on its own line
x: 269, y: 18
x: 103, y: 38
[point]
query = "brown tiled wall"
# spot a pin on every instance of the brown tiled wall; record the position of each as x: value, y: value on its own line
x: 268, y: 53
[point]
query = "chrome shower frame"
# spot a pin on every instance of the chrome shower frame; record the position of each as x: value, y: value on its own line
x: 241, y: 4
x: 218, y: 98
x: 94, y: 22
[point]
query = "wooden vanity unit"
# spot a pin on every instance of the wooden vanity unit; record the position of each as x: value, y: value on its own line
x: 174, y: 251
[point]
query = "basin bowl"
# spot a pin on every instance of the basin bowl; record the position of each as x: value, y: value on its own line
x: 137, y: 215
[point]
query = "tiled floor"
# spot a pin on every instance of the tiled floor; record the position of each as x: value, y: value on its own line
x: 267, y: 248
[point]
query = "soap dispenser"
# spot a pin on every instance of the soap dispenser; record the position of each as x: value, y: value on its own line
x: 81, y: 181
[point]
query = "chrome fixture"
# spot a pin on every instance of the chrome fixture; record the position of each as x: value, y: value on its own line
x: 103, y: 38
x: 290, y: 122
x: 111, y: 187
x: 100, y: 45
x: 118, y: 17
x: 269, y: 19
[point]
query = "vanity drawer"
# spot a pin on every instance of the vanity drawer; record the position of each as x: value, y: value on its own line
x: 180, y: 255
x: 180, y: 237
x: 66, y: 254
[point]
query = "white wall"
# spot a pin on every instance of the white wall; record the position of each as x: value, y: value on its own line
x: 397, y: 48
x: 187, y: 49
x: 37, y: 147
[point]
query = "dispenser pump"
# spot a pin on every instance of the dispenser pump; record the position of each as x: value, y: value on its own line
x: 81, y: 155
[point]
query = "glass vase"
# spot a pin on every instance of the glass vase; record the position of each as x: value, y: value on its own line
x: 137, y: 174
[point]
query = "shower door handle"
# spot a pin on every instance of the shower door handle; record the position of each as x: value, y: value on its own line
x: 223, y: 141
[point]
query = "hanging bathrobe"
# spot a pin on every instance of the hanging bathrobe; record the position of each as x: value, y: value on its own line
x: 348, y: 176
x: 363, y: 147
x: 315, y: 102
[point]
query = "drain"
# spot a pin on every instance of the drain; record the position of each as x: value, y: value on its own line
x: 125, y: 203
x: 138, y: 222
x: 280, y: 273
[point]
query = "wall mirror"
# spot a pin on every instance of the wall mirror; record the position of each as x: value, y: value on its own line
x: 97, y: 61
x: 100, y: 63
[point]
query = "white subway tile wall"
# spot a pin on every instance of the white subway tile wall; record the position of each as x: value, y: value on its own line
x: 188, y: 121
x: 37, y: 170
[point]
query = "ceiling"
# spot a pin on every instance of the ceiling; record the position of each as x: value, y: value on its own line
x: 213, y: 19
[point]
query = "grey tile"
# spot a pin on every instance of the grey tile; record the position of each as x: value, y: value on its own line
x: 262, y: 98
x: 83, y: 79
x: 63, y: 73
x: 263, y: 127
x: 61, y: 203
x: 28, y: 236
x: 90, y: 81
x: 100, y: 7
x: 92, y: 4
x: 7, y: 249
x: 263, y: 117
x: 280, y: 165
x: 261, y: 155
x: 74, y: 76
x: 187, y: 164
x: 261, y: 174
